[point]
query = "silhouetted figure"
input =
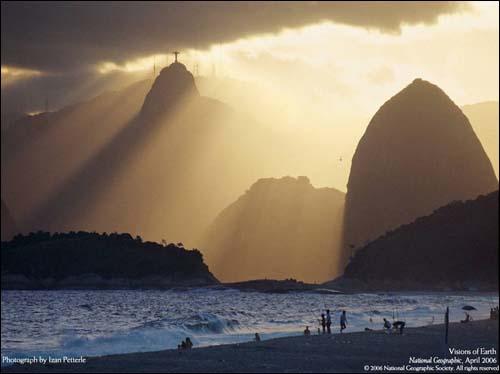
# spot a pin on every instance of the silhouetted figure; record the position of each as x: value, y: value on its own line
x: 387, y: 325
x: 307, y: 332
x: 343, y: 321
x: 257, y: 337
x: 494, y: 313
x: 185, y: 344
x: 399, y: 325
x: 323, y: 322
x: 468, y: 318
x: 328, y: 322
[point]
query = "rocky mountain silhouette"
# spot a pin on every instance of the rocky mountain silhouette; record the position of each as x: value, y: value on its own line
x: 9, y: 228
x: 484, y: 119
x: 280, y: 228
x: 419, y: 152
x: 161, y: 166
x: 173, y: 85
x: 454, y: 247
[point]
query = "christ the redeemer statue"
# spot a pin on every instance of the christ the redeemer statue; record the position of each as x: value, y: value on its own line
x: 175, y: 54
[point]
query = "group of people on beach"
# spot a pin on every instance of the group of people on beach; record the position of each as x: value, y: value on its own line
x: 396, y: 325
x: 326, y: 323
x: 185, y: 344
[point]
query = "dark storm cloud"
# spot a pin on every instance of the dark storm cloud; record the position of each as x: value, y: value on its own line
x: 62, y: 36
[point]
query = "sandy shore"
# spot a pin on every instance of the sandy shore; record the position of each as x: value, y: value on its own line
x: 349, y: 352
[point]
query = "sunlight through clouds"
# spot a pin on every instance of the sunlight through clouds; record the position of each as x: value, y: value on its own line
x: 346, y: 62
x: 133, y: 66
x: 11, y: 74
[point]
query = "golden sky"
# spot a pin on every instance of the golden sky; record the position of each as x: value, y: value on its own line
x: 459, y: 53
x: 323, y: 82
x: 328, y: 79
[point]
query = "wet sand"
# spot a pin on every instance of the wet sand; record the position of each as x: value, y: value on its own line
x: 349, y: 352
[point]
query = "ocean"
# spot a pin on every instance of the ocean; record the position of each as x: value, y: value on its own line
x: 95, y: 323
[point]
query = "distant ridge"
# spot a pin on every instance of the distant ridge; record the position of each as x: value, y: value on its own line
x: 280, y: 228
x: 455, y: 247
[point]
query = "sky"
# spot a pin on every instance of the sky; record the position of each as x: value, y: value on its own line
x: 321, y: 67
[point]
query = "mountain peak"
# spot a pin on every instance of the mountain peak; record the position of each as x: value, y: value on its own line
x: 418, y: 152
x: 422, y: 83
x: 271, y: 224
x: 420, y: 88
x: 425, y: 91
x: 286, y: 180
x: 419, y: 81
x: 173, y: 84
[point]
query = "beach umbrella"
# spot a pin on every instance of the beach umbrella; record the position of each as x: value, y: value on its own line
x: 468, y: 307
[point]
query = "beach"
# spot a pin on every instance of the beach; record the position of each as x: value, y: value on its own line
x: 475, y: 346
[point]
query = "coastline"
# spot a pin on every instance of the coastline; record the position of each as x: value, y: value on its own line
x: 19, y: 282
x: 91, y: 281
x: 348, y: 352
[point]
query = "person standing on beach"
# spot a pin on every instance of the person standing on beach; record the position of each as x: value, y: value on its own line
x: 328, y: 321
x: 343, y: 321
x: 323, y: 322
x: 387, y: 325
